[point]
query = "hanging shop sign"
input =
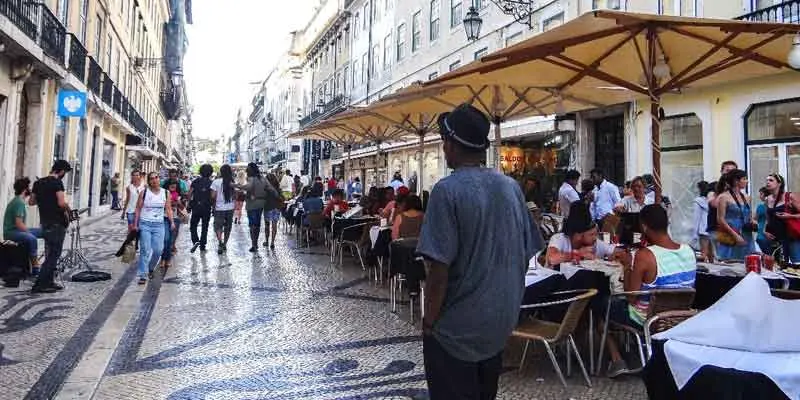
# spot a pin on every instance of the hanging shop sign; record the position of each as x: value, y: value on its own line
x: 71, y: 103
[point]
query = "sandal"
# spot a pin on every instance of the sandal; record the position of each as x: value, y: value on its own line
x: 142, y: 281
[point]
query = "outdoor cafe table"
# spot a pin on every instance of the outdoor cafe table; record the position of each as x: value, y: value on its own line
x: 713, y: 280
x: 709, y: 382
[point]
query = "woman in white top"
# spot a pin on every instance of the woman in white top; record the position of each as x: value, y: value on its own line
x: 637, y: 200
x: 132, y: 198
x: 151, y: 208
x: 579, y: 240
x: 223, y: 196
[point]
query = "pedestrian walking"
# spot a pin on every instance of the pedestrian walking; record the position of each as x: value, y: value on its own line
x: 152, y: 210
x: 222, y: 194
x: 172, y: 227
x: 273, y: 204
x: 286, y: 184
x: 255, y: 189
x: 200, y: 204
x: 115, y: 182
x: 476, y: 240
x: 567, y: 193
x: 132, y: 192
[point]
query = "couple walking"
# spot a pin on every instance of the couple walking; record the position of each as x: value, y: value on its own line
x: 218, y: 197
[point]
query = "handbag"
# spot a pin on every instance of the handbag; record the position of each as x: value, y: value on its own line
x: 129, y: 253
x: 792, y: 224
x: 726, y: 238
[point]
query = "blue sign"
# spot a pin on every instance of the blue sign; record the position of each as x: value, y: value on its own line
x: 71, y: 103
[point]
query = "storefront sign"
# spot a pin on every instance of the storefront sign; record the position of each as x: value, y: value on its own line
x: 71, y: 103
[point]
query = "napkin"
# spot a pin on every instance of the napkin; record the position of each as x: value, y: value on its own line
x: 747, y: 318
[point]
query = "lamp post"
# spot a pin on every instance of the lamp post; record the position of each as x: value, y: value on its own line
x: 472, y: 24
x: 794, y: 54
x: 320, y: 106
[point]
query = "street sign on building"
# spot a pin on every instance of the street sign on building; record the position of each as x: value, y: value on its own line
x: 71, y: 103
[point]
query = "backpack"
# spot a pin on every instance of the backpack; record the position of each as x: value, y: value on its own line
x: 201, y: 195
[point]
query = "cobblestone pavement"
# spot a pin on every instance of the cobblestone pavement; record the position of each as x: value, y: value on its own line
x: 280, y: 324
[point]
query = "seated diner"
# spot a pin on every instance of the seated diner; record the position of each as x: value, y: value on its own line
x: 578, y: 240
x: 337, y: 203
x: 409, y: 217
x: 664, y: 264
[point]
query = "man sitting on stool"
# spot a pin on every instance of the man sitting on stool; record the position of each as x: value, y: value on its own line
x: 48, y: 194
x: 14, y: 227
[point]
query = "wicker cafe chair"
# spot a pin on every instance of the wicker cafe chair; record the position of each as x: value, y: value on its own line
x: 664, y: 321
x: 660, y: 300
x: 551, y: 333
x: 786, y: 294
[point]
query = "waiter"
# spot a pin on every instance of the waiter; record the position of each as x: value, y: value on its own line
x: 48, y: 194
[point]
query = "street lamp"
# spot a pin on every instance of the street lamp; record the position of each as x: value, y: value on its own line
x: 472, y: 24
x: 320, y: 106
x: 794, y: 53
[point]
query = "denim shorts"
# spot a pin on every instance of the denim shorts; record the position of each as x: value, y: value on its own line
x: 273, y: 215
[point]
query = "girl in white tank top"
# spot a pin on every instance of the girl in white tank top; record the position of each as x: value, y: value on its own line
x: 153, y: 205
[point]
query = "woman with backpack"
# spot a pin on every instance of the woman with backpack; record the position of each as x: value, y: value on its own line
x: 273, y: 205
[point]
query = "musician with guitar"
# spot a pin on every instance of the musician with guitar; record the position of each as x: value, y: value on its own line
x: 54, y: 213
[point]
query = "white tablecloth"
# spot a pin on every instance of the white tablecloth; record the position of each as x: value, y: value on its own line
x: 375, y: 231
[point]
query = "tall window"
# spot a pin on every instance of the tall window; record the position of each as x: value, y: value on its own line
x: 63, y: 12
x: 553, y: 21
x: 434, y: 25
x: 416, y: 31
x: 772, y: 132
x: 376, y: 12
x: 356, y: 25
x: 364, y: 70
x: 366, y: 16
x: 687, y: 8
x: 387, y: 51
x: 513, y: 38
x: 109, y: 49
x: 455, y: 65
x: 433, y: 75
x: 376, y: 59
x: 682, y: 168
x: 401, y: 42
x: 60, y: 139
x: 98, y: 33
x: 455, y: 13
x: 84, y: 11
x: 481, y: 53
x: 610, y: 4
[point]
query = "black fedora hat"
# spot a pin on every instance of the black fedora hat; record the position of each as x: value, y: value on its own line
x: 466, y: 125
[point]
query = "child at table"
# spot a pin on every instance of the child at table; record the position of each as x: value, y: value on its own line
x: 578, y: 240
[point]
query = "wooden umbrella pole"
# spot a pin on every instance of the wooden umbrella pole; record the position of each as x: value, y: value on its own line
x: 497, y: 144
x: 421, y: 161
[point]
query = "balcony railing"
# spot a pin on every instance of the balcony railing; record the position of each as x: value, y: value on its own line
x: 787, y: 12
x: 23, y: 14
x: 108, y: 90
x: 77, y: 57
x: 335, y: 105
x: 95, y: 79
x: 279, y: 157
x: 117, y: 101
x: 53, y: 35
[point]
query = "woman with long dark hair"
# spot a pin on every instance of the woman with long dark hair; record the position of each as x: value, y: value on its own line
x: 223, y: 198
x: 778, y: 213
x: 735, y: 224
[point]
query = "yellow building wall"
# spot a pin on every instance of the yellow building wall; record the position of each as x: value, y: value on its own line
x: 722, y: 111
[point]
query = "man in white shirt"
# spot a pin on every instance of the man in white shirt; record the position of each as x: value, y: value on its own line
x: 606, y: 196
x: 286, y: 184
x: 567, y: 194
x: 304, y: 179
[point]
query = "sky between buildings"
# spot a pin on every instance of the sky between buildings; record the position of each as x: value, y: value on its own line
x: 232, y: 44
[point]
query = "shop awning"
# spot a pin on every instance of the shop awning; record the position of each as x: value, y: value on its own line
x: 144, y: 151
x: 607, y: 57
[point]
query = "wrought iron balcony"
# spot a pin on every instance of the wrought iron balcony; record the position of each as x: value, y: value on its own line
x: 23, y: 14
x: 117, y: 101
x: 279, y: 157
x: 53, y: 35
x: 170, y: 103
x: 335, y: 105
x: 787, y: 12
x: 108, y: 89
x: 77, y: 57
x: 95, y: 78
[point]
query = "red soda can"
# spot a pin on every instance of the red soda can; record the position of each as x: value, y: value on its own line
x: 753, y: 263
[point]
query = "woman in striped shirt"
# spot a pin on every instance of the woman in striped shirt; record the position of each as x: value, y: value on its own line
x: 664, y: 264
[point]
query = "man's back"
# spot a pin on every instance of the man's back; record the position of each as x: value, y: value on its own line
x: 45, y: 190
x: 477, y: 224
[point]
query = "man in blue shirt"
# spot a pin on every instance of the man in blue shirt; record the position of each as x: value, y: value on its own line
x: 606, y: 197
x: 477, y: 239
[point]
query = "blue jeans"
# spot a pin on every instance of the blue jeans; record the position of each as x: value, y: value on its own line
x: 169, y: 238
x: 254, y: 217
x: 151, y: 244
x: 131, y: 218
x: 791, y: 248
x: 28, y: 238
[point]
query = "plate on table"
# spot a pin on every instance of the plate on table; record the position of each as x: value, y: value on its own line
x: 792, y: 272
